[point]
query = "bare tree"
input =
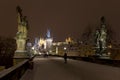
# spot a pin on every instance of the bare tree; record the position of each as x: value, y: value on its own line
x: 7, y: 49
x: 87, y: 36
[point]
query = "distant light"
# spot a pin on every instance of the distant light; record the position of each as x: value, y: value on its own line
x: 109, y: 53
x: 33, y: 48
x: 65, y: 48
x: 110, y: 46
x: 40, y: 53
x: 58, y: 44
x: 50, y: 51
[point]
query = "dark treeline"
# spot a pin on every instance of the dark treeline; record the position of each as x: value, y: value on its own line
x: 7, y: 49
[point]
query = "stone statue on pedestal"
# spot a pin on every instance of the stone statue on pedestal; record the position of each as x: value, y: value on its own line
x: 100, y: 37
x: 21, y: 36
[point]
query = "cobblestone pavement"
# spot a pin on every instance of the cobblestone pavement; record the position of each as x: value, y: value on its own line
x: 53, y: 68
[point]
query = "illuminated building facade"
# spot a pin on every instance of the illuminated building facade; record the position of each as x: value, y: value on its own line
x: 43, y: 44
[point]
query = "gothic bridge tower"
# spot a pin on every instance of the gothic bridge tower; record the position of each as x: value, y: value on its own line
x: 49, y: 41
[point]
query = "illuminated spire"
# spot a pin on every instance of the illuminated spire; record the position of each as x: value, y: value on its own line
x: 48, y: 33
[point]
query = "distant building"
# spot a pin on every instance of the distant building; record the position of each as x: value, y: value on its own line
x: 43, y: 44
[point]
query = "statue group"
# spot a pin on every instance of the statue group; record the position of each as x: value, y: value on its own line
x: 21, y: 36
x: 22, y: 24
x: 100, y: 37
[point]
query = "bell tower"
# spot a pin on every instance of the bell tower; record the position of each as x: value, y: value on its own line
x: 49, y: 40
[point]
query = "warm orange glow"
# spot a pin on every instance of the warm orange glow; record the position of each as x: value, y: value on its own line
x: 68, y: 40
x: 42, y: 41
x: 110, y: 46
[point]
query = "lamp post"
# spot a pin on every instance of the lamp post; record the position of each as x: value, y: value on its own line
x: 65, y: 49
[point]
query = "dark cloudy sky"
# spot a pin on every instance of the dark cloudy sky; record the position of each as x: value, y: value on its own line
x: 63, y: 17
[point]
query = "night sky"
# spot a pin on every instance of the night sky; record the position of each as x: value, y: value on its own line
x: 64, y: 18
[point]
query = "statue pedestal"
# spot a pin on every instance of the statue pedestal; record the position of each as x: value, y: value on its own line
x: 21, y: 51
x: 21, y: 54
